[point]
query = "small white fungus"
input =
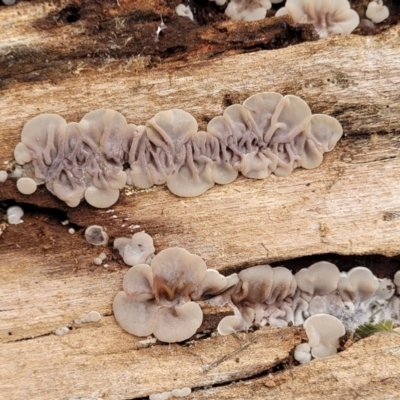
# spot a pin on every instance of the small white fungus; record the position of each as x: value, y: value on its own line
x: 26, y: 185
x: 3, y: 176
x: 66, y: 222
x: 14, y: 215
x: 376, y: 11
x: 17, y: 173
x: 181, y: 392
x: 62, y: 331
x: 71, y: 231
x: 93, y: 316
x: 160, y: 396
x: 98, y: 261
x: 102, y: 256
x: 96, y: 235
x: 184, y: 11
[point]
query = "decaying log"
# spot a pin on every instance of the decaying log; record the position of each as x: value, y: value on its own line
x: 50, y: 62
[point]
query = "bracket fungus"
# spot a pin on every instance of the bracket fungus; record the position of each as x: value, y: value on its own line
x: 157, y: 298
x: 318, y: 279
x: 269, y: 133
x: 323, y: 332
x: 329, y: 17
x: 160, y: 295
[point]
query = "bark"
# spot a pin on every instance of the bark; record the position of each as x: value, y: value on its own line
x: 70, y: 58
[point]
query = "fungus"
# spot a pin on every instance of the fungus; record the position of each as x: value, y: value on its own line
x: 259, y: 298
x: 136, y: 250
x: 3, y: 176
x: 329, y: 17
x: 376, y: 11
x: 269, y: 133
x: 302, y: 353
x: 96, y: 235
x: 247, y: 10
x: 386, y: 289
x: 14, y: 215
x: 397, y: 281
x: 184, y: 11
x: 181, y: 392
x: 319, y: 279
x: 357, y: 286
x: 157, y: 300
x: 62, y: 331
x: 26, y: 185
x: 323, y: 332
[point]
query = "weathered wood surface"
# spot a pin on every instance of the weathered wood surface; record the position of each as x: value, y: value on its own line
x: 349, y: 205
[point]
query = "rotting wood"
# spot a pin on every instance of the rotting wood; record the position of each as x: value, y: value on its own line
x: 349, y: 205
x: 100, y: 361
x: 368, y: 370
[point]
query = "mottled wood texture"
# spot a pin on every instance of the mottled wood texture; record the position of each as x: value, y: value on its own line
x: 65, y: 58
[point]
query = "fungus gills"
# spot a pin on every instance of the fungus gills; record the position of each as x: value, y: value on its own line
x: 268, y: 134
x: 159, y: 297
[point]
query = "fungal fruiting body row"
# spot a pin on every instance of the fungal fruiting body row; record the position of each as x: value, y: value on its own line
x: 269, y: 133
x: 329, y: 17
x: 160, y: 293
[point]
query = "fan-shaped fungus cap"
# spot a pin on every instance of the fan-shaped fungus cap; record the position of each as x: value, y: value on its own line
x: 136, y: 250
x: 302, y: 353
x: 96, y: 235
x: 101, y: 198
x: 26, y: 185
x: 255, y: 285
x: 212, y: 283
x: 284, y: 285
x: 376, y: 11
x: 231, y: 324
x: 323, y: 332
x: 171, y: 129
x: 156, y: 298
x: 135, y: 308
x: 319, y: 279
x: 329, y: 17
x: 176, y: 273
x: 357, y: 286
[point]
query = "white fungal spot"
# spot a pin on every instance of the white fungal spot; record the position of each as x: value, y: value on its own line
x: 3, y: 176
x: 62, y: 331
x: 92, y: 316
x: 14, y: 215
x: 71, y: 231
x: 66, y: 222
x: 26, y: 185
x: 98, y: 261
x: 181, y: 392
